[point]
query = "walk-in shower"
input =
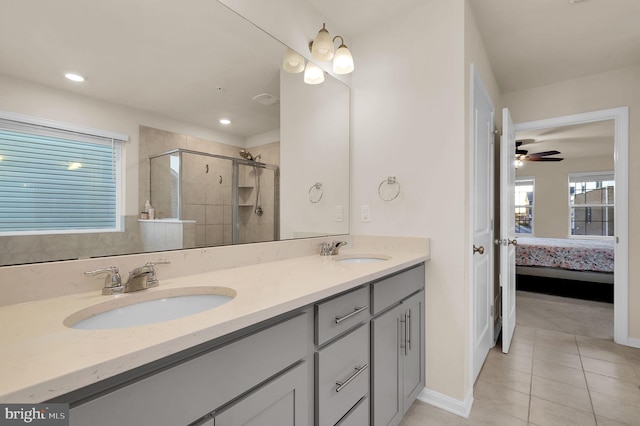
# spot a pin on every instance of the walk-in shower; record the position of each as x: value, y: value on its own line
x: 231, y: 200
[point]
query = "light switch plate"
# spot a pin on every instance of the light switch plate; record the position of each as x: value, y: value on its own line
x: 339, y: 213
x: 365, y: 214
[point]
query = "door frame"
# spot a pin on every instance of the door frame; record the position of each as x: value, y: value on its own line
x: 475, y: 81
x: 620, y: 117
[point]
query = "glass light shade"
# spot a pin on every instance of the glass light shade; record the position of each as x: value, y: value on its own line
x: 313, y: 74
x: 343, y: 61
x: 322, y: 46
x: 293, y: 62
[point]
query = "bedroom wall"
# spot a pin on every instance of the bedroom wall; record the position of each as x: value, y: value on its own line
x: 551, y: 206
x: 596, y: 92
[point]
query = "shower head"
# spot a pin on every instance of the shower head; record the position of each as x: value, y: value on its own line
x: 246, y: 155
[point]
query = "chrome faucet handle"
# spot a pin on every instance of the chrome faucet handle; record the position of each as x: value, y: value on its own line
x: 152, y: 280
x: 325, y: 249
x: 112, y: 282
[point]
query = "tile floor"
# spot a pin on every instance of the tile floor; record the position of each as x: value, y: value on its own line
x: 550, y: 378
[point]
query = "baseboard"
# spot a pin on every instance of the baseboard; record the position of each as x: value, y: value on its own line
x: 633, y: 342
x: 452, y: 405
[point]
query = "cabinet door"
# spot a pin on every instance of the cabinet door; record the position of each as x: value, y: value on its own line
x: 413, y: 357
x: 385, y: 373
x: 283, y: 401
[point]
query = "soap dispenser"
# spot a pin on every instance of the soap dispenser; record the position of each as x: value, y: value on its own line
x: 150, y: 210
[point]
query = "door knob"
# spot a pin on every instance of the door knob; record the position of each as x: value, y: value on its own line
x: 478, y: 249
x: 513, y: 242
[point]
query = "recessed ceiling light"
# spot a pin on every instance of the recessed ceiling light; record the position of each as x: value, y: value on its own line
x: 74, y: 77
x: 225, y: 121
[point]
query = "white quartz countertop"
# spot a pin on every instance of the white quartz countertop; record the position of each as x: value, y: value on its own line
x: 40, y: 358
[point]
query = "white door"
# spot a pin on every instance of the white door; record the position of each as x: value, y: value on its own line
x: 482, y: 216
x: 507, y: 229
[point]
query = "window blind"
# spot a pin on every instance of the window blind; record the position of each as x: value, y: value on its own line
x: 56, y: 180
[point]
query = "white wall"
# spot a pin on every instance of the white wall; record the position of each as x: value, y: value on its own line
x: 551, y: 193
x: 314, y: 148
x: 596, y: 92
x: 408, y: 121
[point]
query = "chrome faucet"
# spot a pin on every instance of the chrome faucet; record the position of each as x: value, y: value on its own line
x: 331, y: 249
x: 142, y: 278
x: 139, y: 279
x: 112, y: 282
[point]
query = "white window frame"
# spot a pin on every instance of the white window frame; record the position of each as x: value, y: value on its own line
x: 533, y: 206
x: 572, y: 206
x: 116, y: 140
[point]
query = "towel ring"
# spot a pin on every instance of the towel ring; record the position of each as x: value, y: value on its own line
x: 315, y: 192
x: 389, y: 189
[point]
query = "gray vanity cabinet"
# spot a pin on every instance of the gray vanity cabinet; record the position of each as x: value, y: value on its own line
x: 270, y: 364
x: 397, y: 346
x: 283, y: 401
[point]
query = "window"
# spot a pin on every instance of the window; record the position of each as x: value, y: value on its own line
x: 591, y: 204
x: 57, y: 178
x: 524, y: 205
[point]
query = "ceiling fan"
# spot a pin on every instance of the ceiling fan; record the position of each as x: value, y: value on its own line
x: 523, y: 155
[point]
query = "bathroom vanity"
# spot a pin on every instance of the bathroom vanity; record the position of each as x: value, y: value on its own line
x: 321, y: 364
x: 307, y: 341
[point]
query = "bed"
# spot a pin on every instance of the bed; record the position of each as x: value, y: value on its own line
x: 580, y: 268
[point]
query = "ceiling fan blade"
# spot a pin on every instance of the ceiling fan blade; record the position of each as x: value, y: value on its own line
x: 529, y: 158
x: 544, y: 153
x: 521, y: 152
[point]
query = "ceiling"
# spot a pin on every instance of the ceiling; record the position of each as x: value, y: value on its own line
x: 196, y: 64
x: 529, y: 42
x: 595, y: 139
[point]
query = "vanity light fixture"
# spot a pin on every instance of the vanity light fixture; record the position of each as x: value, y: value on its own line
x: 313, y: 74
x: 342, y: 60
x: 74, y: 77
x: 225, y: 121
x: 322, y: 45
x: 322, y: 50
x: 293, y: 62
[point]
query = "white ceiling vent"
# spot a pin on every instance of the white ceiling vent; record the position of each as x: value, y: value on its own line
x: 265, y: 99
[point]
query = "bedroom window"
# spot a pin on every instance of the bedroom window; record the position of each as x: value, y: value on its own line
x: 524, y: 205
x: 591, y: 202
x: 57, y: 178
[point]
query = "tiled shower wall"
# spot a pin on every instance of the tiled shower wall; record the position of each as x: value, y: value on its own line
x: 207, y: 191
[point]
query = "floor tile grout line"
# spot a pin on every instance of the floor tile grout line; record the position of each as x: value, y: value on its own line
x: 593, y: 409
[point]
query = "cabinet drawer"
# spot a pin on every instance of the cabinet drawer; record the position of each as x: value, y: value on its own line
x: 340, y: 314
x: 391, y: 290
x: 342, y: 375
x: 358, y: 416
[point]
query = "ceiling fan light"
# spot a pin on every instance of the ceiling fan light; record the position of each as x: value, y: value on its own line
x: 293, y: 62
x: 313, y: 74
x: 322, y: 46
x: 343, y: 61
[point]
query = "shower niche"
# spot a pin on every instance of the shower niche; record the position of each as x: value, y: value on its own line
x: 212, y: 200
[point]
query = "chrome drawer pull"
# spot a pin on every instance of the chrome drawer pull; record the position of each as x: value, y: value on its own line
x: 409, y: 332
x: 341, y: 385
x: 356, y: 312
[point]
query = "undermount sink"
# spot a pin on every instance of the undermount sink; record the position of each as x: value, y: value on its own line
x: 149, y: 308
x: 361, y: 258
